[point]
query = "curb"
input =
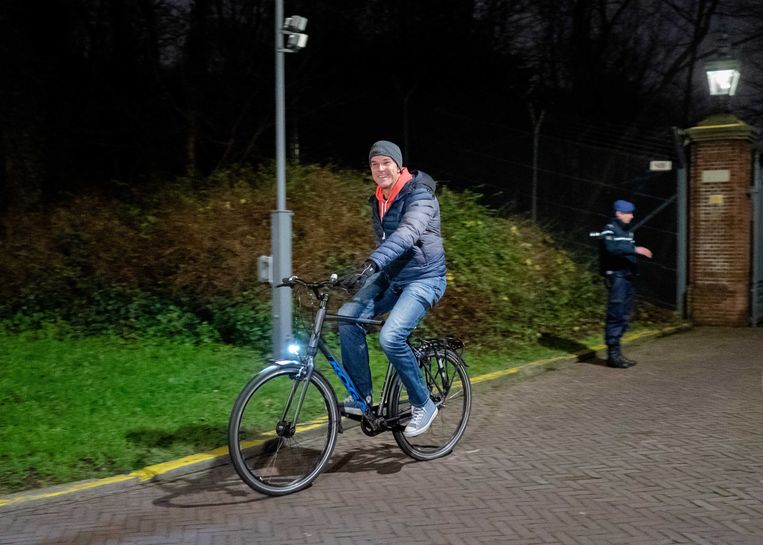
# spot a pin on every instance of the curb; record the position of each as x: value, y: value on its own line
x: 536, y: 367
x: 219, y: 456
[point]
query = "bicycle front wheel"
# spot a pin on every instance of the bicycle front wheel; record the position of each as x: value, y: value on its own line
x: 449, y: 387
x: 277, y: 445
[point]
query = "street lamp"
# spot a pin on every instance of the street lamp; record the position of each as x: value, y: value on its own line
x: 723, y: 73
x: 292, y: 28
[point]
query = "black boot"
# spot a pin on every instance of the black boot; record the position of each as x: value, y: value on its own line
x: 615, y: 358
x: 629, y: 361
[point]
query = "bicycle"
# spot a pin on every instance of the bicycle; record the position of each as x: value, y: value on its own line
x: 284, y: 424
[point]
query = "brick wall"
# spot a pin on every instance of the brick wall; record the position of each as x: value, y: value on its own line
x: 720, y: 230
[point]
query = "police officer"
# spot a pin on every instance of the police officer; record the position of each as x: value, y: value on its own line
x: 618, y: 265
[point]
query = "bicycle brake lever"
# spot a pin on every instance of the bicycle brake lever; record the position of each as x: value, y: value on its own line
x: 287, y: 282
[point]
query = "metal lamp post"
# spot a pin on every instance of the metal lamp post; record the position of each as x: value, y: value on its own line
x: 280, y: 264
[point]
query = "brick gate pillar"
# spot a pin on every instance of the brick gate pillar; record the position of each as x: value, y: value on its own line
x: 720, y: 221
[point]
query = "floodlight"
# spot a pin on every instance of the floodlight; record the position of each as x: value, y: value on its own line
x: 296, y: 41
x: 295, y: 23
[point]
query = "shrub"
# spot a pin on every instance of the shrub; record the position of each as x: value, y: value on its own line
x: 180, y: 261
x: 507, y: 278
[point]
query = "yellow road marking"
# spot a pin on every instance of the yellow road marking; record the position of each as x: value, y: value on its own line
x: 68, y: 490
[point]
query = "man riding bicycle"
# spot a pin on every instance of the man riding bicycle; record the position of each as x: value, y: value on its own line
x: 404, y: 276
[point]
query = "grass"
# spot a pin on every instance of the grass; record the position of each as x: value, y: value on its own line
x: 82, y: 408
x: 76, y: 409
x: 92, y: 407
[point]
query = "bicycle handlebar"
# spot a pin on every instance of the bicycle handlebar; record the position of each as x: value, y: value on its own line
x: 316, y: 288
x: 295, y: 280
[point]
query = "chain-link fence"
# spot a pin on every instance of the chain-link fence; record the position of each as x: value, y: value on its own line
x: 581, y: 169
x: 579, y: 172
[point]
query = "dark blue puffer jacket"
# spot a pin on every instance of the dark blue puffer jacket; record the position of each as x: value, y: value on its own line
x: 409, y: 242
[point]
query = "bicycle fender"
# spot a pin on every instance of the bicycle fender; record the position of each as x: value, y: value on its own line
x: 281, y: 364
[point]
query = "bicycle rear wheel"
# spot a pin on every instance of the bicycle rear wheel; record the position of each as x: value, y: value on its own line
x: 445, y: 375
x: 276, y: 447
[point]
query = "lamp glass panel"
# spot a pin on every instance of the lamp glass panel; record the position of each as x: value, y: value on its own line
x: 723, y: 82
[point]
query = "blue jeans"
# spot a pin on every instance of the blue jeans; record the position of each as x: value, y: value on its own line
x: 406, y: 305
x: 619, y: 306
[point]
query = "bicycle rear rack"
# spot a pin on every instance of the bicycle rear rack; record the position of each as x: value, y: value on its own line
x: 454, y: 344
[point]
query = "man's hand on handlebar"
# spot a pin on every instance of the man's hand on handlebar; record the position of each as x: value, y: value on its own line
x: 359, y: 277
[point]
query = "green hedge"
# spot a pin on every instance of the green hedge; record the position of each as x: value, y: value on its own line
x: 180, y: 261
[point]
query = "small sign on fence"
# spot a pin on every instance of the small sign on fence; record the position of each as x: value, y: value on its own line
x: 660, y: 165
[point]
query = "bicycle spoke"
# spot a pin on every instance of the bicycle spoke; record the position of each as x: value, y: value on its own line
x: 449, y: 388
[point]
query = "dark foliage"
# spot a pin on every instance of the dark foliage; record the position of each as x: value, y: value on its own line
x: 181, y: 262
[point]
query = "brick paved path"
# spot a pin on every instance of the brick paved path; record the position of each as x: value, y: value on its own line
x: 670, y: 451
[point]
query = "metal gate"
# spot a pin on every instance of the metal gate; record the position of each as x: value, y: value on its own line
x: 756, y: 295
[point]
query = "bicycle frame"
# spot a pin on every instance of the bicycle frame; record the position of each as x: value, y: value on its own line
x: 316, y: 344
x: 374, y: 423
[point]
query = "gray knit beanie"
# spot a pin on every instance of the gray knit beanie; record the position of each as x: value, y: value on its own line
x: 387, y: 149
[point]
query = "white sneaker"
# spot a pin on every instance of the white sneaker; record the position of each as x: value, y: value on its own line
x: 350, y: 406
x: 421, y: 419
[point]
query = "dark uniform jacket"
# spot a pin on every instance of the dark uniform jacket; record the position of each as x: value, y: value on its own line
x: 617, y: 249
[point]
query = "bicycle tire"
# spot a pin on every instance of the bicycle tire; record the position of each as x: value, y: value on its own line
x: 451, y: 390
x: 277, y: 462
